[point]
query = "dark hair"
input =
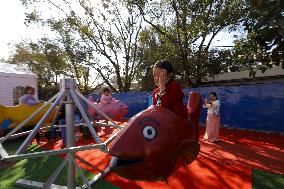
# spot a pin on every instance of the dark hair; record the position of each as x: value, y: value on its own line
x: 165, y: 64
x: 29, y: 87
x: 106, y: 90
x: 214, y: 94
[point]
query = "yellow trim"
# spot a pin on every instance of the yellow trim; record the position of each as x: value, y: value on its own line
x: 19, y: 113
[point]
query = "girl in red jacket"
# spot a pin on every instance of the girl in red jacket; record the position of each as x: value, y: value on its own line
x: 167, y: 92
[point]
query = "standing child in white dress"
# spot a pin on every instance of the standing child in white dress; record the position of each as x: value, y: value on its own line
x: 213, y: 118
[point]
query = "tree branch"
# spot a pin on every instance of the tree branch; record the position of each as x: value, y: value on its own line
x: 170, y: 38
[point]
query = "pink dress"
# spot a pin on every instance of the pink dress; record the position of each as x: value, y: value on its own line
x: 212, y: 122
x: 115, y: 109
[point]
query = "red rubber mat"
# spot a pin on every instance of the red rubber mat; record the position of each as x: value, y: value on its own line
x: 226, y: 164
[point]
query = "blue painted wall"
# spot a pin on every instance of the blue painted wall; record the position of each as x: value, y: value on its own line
x: 257, y: 106
x: 254, y: 106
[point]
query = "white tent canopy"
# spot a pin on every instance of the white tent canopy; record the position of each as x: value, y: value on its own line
x: 12, y: 79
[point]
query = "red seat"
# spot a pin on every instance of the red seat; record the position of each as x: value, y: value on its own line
x: 194, y: 108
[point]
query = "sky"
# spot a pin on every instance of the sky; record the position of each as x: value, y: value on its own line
x: 13, y: 29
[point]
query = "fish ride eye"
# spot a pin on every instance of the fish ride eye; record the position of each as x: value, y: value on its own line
x: 149, y: 132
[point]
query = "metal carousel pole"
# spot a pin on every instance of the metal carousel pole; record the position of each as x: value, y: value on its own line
x: 70, y: 124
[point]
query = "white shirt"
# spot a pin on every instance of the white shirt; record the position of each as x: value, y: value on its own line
x: 213, y: 108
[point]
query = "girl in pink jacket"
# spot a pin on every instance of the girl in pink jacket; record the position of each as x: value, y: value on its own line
x: 115, y: 109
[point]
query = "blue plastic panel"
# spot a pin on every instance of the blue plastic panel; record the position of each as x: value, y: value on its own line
x: 257, y: 106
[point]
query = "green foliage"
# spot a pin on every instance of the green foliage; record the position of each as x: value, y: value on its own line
x: 46, y: 92
x: 190, y: 27
x: 264, y: 24
x: 98, y: 34
x: 43, y: 58
x: 122, y: 39
x: 51, y: 60
x: 77, y: 53
x: 151, y: 48
x: 264, y: 45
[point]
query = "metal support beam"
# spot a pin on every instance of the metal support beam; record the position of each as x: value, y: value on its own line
x: 103, y: 124
x: 67, y: 90
x: 38, y: 185
x: 96, y: 124
x: 39, y: 124
x: 19, y: 134
x: 98, y: 110
x: 101, y: 147
x: 85, y: 117
x: 87, y: 163
x: 70, y: 139
x: 85, y: 180
x: 55, y: 174
x: 56, y: 115
x: 98, y: 177
x: 3, y: 152
x: 110, y: 139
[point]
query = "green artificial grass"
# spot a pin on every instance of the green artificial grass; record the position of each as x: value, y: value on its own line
x: 266, y: 180
x: 39, y: 169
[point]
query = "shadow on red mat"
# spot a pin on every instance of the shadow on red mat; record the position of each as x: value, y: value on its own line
x: 247, y: 149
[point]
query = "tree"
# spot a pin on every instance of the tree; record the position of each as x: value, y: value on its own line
x: 43, y: 58
x: 50, y: 62
x: 263, y: 47
x: 109, y: 28
x: 77, y: 54
x: 266, y: 22
x: 191, y: 26
x: 151, y: 48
